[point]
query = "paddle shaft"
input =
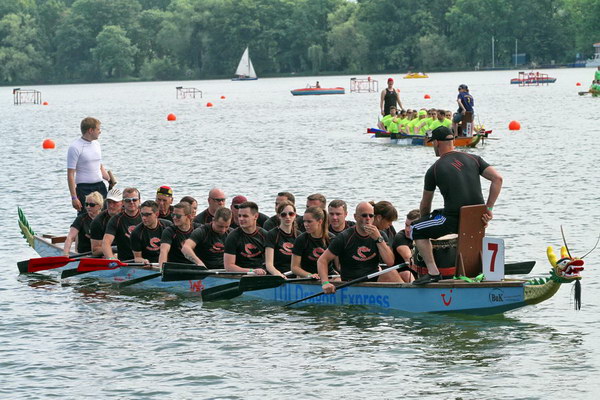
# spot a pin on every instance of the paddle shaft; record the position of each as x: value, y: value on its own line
x: 94, y: 264
x: 352, y: 282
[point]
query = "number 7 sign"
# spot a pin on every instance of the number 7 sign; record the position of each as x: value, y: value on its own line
x: 493, y: 259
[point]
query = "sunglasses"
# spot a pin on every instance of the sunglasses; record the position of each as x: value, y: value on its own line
x: 91, y: 204
x: 130, y: 199
x: 367, y: 215
x: 237, y: 206
x: 221, y: 200
x: 177, y: 216
x: 286, y: 214
x: 146, y: 214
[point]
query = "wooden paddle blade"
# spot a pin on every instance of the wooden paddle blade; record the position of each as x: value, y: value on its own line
x: 519, y: 268
x: 46, y: 263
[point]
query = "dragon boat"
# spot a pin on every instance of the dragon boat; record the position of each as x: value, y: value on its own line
x: 402, y: 139
x: 446, y: 296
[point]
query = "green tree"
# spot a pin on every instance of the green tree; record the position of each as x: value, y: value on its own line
x: 21, y: 58
x: 114, y: 52
x: 315, y: 55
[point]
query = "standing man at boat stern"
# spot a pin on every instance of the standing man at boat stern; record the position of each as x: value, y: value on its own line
x: 456, y: 174
x: 85, y: 171
x: 389, y: 97
x: 359, y: 249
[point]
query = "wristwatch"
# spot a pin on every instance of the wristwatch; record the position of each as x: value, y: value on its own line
x: 379, y: 239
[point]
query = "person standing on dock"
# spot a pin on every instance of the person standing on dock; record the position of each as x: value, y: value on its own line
x: 389, y: 97
x: 85, y: 171
x: 456, y: 174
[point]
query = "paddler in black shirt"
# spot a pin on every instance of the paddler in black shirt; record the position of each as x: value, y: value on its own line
x: 206, y: 245
x: 359, y: 250
x: 120, y: 226
x: 145, y: 238
x: 216, y: 199
x: 164, y: 198
x: 337, y: 212
x: 174, y: 236
x: 245, y: 246
x: 114, y: 205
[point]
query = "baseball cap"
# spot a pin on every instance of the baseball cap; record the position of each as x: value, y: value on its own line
x: 239, y: 199
x: 441, y: 133
x: 463, y: 86
x: 166, y: 190
x: 114, y: 194
x: 390, y: 79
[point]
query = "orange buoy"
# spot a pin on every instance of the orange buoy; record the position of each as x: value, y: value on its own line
x: 45, y: 103
x: 171, y: 117
x: 578, y: 84
x: 209, y: 104
x: 514, y: 126
x: 222, y: 97
x: 48, y: 144
x: 427, y: 96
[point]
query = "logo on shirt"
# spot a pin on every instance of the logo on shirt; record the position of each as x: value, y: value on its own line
x: 129, y: 230
x: 217, y: 248
x: 154, y: 244
x: 287, y: 248
x: 457, y: 164
x: 361, y: 256
x: 316, y: 253
x: 250, y: 251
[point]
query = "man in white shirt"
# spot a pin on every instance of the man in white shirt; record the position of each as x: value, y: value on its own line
x: 85, y: 171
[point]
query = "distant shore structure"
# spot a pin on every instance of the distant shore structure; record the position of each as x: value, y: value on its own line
x: 182, y: 93
x: 26, y: 96
x: 360, y: 85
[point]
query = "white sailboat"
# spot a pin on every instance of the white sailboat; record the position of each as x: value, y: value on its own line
x: 245, y: 70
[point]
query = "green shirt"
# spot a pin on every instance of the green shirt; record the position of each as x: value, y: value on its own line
x: 597, y: 75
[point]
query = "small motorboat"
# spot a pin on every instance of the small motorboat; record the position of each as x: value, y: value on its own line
x: 415, y: 75
x: 311, y: 90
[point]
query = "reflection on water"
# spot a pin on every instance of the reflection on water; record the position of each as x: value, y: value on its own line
x: 68, y: 340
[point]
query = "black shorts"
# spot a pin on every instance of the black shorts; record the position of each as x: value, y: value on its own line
x: 457, y: 117
x: 433, y: 226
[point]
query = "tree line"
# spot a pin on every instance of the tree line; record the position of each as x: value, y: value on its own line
x: 53, y: 41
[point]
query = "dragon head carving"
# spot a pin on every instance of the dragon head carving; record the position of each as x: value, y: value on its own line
x: 568, y: 268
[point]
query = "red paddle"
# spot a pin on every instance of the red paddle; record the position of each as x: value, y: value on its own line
x: 97, y: 264
x: 44, y: 263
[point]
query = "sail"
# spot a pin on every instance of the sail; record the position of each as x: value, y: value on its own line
x: 245, y: 67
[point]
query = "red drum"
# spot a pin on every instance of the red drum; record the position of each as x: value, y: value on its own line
x: 444, y: 253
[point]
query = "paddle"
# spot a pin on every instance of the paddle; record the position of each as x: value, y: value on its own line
x: 246, y: 284
x: 138, y: 280
x: 518, y: 268
x: 45, y: 263
x: 352, y: 282
x: 582, y: 93
x: 97, y: 264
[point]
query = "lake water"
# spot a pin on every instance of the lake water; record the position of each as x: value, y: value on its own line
x: 73, y: 341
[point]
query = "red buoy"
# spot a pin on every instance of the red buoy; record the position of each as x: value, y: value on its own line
x: 209, y: 104
x: 427, y: 96
x: 45, y: 103
x: 514, y: 126
x: 48, y: 144
x: 171, y: 117
x: 222, y: 97
x: 578, y: 84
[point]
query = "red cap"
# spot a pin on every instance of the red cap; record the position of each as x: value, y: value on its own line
x: 390, y: 80
x: 239, y: 199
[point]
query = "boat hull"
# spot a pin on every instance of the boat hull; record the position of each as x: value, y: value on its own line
x: 401, y: 139
x: 244, y: 79
x: 317, y: 91
x: 516, y: 81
